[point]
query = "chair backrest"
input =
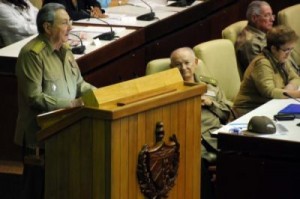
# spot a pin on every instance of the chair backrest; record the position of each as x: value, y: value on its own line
x: 37, y: 3
x: 158, y: 65
x: 220, y: 59
x: 290, y: 17
x: 232, y: 31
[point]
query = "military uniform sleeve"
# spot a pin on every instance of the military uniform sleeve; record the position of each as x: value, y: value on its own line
x: 269, y: 83
x: 220, y: 106
x: 29, y: 71
x: 293, y: 76
x: 82, y: 85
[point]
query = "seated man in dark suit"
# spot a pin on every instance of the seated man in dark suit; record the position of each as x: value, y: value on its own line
x: 80, y: 9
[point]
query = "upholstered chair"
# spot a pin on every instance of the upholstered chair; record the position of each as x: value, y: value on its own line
x: 231, y: 32
x: 220, y: 59
x: 158, y: 65
x: 290, y: 17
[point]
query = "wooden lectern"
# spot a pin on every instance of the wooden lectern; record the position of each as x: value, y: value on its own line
x: 92, y: 152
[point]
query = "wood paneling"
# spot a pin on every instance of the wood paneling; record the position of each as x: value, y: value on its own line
x: 91, y: 156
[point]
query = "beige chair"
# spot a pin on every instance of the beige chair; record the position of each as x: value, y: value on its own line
x: 162, y: 64
x: 232, y: 31
x: 290, y: 17
x: 37, y: 3
x: 220, y: 59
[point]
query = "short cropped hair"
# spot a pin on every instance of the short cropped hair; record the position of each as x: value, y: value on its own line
x: 178, y: 50
x: 280, y: 35
x: 254, y: 8
x: 47, y: 14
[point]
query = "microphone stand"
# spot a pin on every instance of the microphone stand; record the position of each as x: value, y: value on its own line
x: 179, y: 3
x: 148, y: 16
x: 107, y: 36
x: 78, y: 49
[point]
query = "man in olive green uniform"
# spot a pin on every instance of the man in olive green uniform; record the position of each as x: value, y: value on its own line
x: 48, y: 79
x: 215, y: 110
x: 252, y: 39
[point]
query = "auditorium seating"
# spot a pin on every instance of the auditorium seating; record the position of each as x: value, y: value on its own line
x: 219, y: 57
x: 290, y: 17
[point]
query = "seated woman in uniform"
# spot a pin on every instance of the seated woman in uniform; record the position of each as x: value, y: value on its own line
x: 270, y: 74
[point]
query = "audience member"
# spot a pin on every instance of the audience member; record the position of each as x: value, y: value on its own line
x: 80, y: 9
x: 215, y: 107
x: 270, y: 73
x: 17, y: 21
x: 48, y: 79
x: 252, y: 39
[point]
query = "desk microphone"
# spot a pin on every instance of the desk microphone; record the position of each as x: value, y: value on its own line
x: 148, y: 16
x: 289, y: 96
x: 180, y: 3
x: 78, y: 49
x: 107, y: 36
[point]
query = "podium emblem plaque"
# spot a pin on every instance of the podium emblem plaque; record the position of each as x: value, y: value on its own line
x: 158, y: 165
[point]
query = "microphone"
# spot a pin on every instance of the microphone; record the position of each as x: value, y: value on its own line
x: 78, y: 49
x: 289, y: 96
x: 180, y: 3
x: 148, y: 16
x: 107, y: 36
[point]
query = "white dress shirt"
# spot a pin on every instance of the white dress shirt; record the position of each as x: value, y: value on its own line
x: 15, y: 23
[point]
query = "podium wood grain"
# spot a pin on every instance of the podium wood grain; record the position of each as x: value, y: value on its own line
x: 93, y: 154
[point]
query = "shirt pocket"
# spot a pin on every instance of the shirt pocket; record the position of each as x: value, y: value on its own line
x: 51, y: 84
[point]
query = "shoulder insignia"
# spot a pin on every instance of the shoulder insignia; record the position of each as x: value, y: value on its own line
x: 38, y: 46
x: 67, y: 46
x: 208, y: 80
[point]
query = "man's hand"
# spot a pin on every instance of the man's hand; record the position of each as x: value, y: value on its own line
x: 206, y: 101
x: 97, y: 13
x: 77, y: 103
x: 291, y: 87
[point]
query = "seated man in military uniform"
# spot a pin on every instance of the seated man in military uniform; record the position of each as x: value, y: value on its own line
x: 215, y: 109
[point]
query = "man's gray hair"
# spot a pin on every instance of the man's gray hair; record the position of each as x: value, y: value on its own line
x: 47, y: 14
x: 190, y: 50
x: 254, y: 8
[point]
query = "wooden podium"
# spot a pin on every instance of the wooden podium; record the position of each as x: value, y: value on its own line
x: 92, y: 152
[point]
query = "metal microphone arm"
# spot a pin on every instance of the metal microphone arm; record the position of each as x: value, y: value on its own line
x: 78, y: 49
x: 148, y: 16
x: 104, y: 36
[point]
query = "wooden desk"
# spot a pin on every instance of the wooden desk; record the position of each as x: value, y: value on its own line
x: 259, y: 167
x: 127, y: 57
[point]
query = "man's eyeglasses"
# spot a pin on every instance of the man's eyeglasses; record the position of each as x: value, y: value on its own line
x: 268, y: 16
x: 286, y: 50
x: 67, y: 23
